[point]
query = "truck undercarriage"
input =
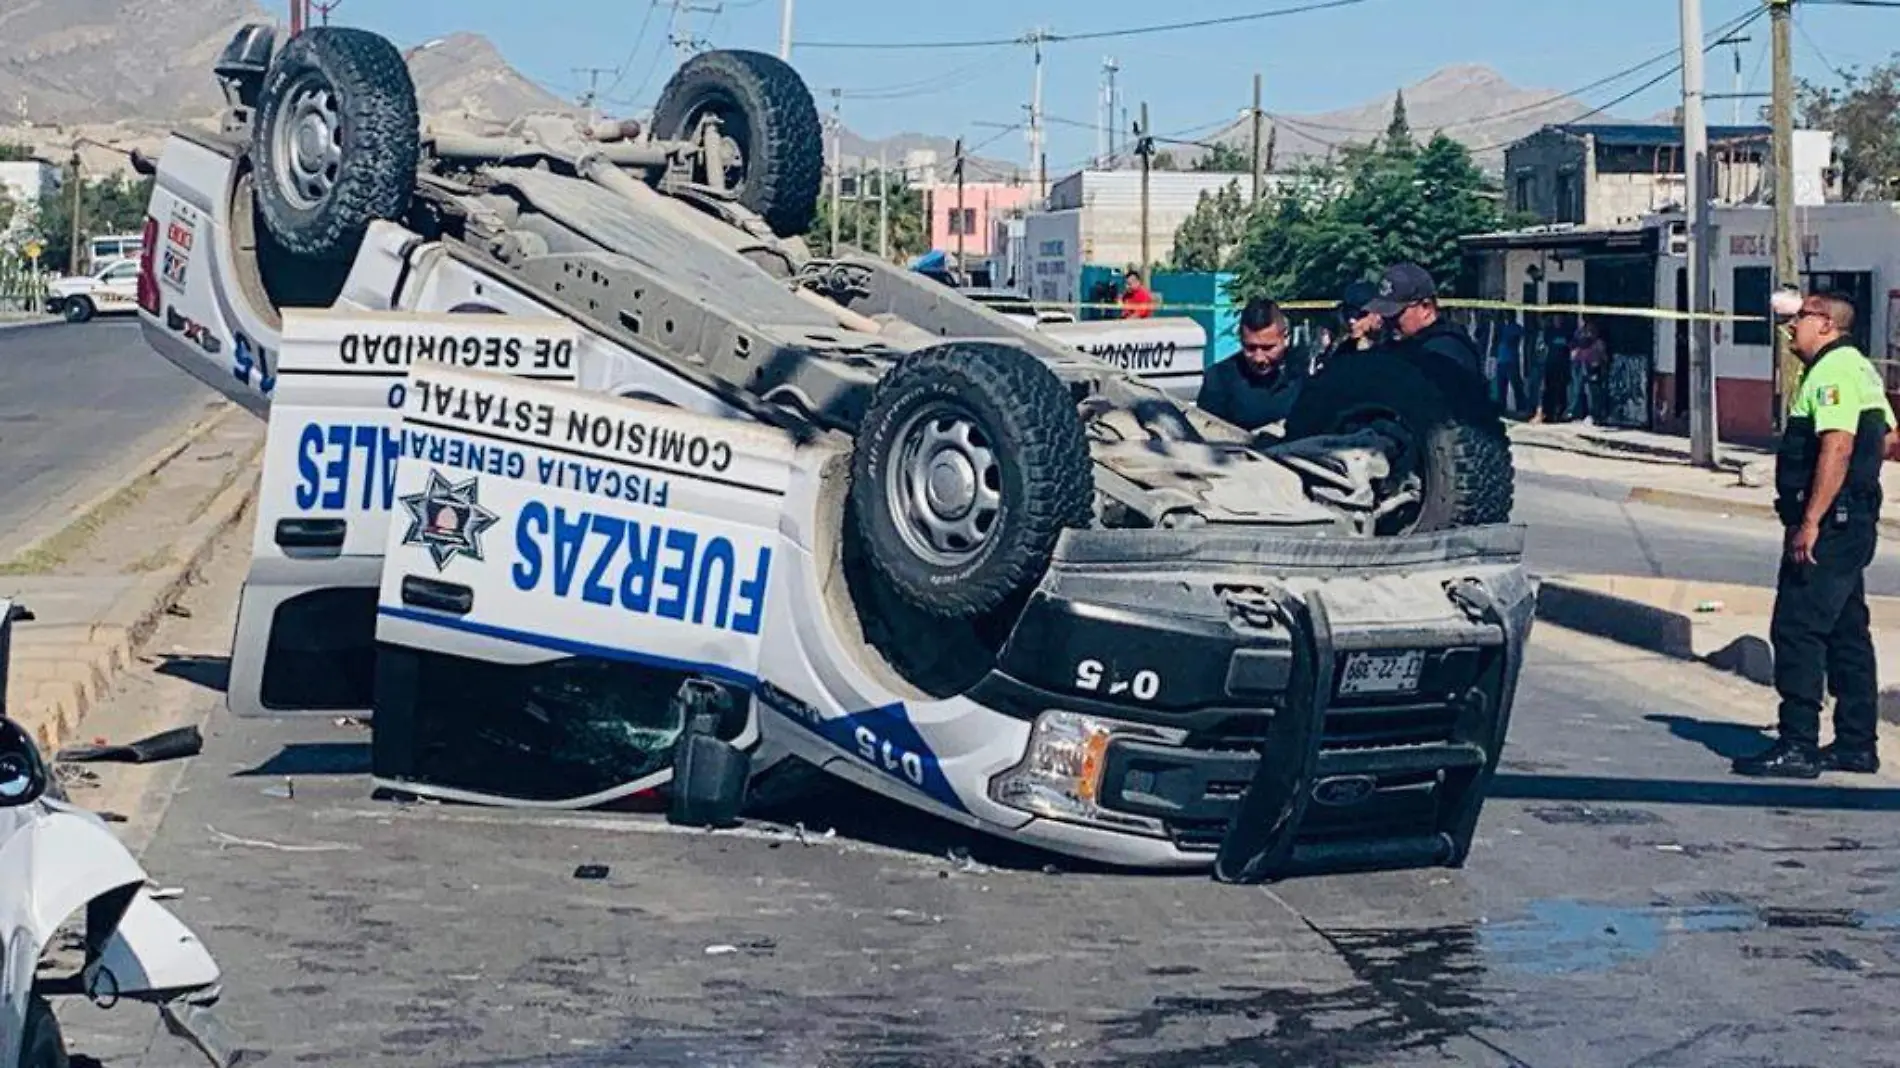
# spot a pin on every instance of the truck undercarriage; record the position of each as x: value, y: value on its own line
x: 1097, y: 619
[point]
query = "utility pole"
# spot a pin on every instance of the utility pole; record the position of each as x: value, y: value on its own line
x: 857, y: 206
x: 1787, y: 364
x: 958, y: 228
x: 1256, y: 137
x: 1735, y: 49
x: 785, y: 30
x: 837, y: 161
x: 1145, y: 148
x: 72, y: 262
x: 1105, y: 116
x: 1114, y: 108
x: 1035, y: 117
x: 592, y: 95
x: 322, y: 7
x: 883, y: 205
x: 299, y: 16
x: 1695, y: 130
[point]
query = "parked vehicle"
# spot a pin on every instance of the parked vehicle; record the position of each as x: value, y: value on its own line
x: 112, y: 289
x: 583, y: 477
x: 60, y: 863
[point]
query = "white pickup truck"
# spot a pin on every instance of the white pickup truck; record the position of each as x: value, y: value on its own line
x: 111, y: 289
x: 584, y: 477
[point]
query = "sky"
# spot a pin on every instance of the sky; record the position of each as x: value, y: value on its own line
x: 1191, y: 78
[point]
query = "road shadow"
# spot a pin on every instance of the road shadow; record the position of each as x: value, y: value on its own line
x: 862, y: 816
x: 211, y: 672
x: 1739, y: 794
x: 314, y: 758
x: 1730, y: 741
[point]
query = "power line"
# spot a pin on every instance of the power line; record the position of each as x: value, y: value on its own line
x: 1826, y: 62
x: 639, y: 38
x: 1639, y: 90
x: 1093, y: 35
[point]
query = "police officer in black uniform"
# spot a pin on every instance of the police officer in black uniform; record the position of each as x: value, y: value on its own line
x: 1408, y: 301
x: 1827, y: 490
x: 1257, y: 386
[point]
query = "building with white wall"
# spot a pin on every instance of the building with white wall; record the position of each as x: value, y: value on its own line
x: 1850, y: 248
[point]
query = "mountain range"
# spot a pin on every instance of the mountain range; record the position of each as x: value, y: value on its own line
x: 117, y: 73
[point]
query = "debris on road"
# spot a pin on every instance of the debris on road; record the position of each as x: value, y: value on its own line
x: 165, y: 745
x: 258, y: 843
x: 591, y: 871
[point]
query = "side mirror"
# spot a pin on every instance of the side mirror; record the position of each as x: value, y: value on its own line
x: 23, y: 775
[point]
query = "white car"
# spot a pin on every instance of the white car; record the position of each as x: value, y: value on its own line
x: 60, y: 863
x: 584, y: 477
x: 111, y: 289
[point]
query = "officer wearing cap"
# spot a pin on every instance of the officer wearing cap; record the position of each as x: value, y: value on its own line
x: 1408, y: 302
x: 1827, y: 491
x: 1359, y: 329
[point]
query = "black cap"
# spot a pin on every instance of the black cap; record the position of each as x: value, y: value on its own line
x: 1402, y: 284
x: 1352, y: 303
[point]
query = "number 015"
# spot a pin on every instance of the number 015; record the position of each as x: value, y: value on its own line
x: 1145, y: 685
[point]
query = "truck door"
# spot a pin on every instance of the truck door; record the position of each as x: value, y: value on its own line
x: 305, y: 641
x: 564, y: 567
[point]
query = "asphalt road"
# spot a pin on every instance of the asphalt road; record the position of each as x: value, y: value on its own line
x: 1579, y: 525
x: 78, y: 401
x: 1628, y: 904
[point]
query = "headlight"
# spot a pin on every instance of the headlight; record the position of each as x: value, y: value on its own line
x: 1060, y: 776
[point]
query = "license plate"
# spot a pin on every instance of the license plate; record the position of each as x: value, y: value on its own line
x: 1382, y: 672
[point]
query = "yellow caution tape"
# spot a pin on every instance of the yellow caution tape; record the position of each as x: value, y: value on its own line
x: 1161, y: 308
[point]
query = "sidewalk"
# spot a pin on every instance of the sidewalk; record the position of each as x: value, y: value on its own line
x: 1657, y: 470
x: 99, y: 585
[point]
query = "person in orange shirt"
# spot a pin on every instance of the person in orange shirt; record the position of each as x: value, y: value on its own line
x: 1138, y: 301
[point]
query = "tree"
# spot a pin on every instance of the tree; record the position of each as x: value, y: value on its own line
x: 15, y: 152
x: 904, y: 207
x: 109, y: 205
x: 1864, y: 113
x: 1223, y: 158
x: 1398, y: 133
x: 1208, y: 238
x: 1382, y: 204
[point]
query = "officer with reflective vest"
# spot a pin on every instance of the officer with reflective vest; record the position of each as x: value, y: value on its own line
x: 1827, y: 487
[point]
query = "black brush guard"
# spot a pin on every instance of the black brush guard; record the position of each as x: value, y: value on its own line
x: 1280, y: 775
x: 1269, y: 837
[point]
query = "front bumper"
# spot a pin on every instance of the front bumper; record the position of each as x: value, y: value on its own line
x: 1238, y: 645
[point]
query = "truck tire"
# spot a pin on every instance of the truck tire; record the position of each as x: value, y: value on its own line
x: 1453, y: 438
x: 42, y: 1045
x: 79, y: 309
x: 766, y: 109
x: 969, y: 463
x: 335, y: 141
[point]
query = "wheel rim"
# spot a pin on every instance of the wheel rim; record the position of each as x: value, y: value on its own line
x: 945, y: 488
x: 735, y: 135
x: 309, y: 141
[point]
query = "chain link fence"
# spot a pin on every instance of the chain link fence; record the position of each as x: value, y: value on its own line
x: 22, y: 286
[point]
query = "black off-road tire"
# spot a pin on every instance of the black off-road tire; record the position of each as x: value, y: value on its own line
x: 1463, y: 453
x: 376, y: 133
x: 766, y: 108
x: 43, y: 1047
x: 1038, y: 465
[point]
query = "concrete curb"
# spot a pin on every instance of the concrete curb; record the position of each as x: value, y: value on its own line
x: 18, y: 324
x: 1687, y: 501
x: 78, y: 667
x: 170, y: 451
x: 1630, y: 452
x: 1580, y: 604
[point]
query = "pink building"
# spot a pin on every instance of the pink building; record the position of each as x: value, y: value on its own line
x: 982, y: 202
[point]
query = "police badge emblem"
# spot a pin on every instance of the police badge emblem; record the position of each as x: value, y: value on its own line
x: 447, y: 519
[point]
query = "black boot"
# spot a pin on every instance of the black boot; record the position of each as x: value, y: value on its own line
x: 1858, y: 760
x: 1783, y: 760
